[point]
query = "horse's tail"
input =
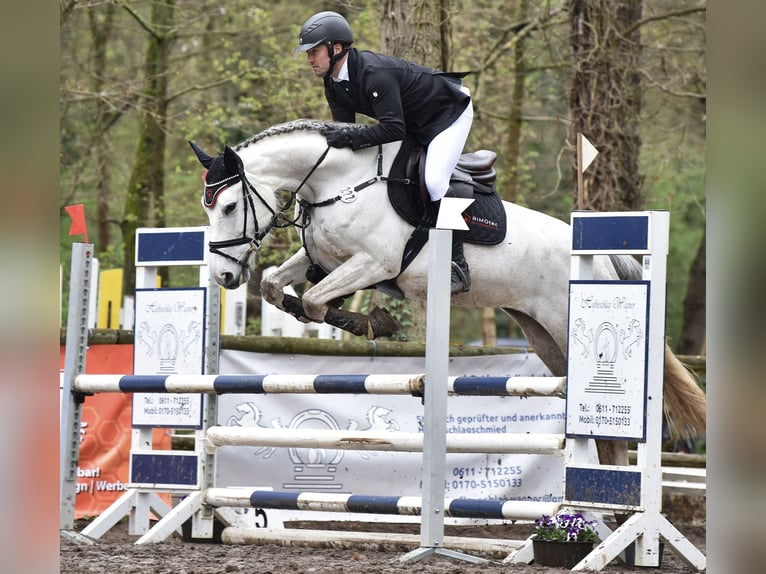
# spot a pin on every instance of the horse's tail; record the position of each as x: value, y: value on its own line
x: 627, y: 267
x: 685, y: 401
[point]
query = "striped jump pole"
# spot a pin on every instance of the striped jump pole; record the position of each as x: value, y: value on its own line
x: 253, y: 384
x: 402, y: 384
x: 394, y: 441
x: 370, y: 504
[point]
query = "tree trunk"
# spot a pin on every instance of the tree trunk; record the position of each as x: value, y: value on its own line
x: 101, y: 29
x: 147, y: 179
x: 605, y: 100
x: 418, y: 31
x: 693, y: 329
x: 511, y: 187
x: 488, y: 327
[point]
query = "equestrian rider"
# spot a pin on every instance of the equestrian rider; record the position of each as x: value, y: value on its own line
x: 430, y: 106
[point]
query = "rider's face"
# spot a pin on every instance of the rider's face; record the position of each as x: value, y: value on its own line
x: 319, y: 59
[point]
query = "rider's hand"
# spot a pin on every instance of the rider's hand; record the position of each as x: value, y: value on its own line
x: 337, y: 137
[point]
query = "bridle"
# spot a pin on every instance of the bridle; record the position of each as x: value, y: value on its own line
x: 253, y: 242
x: 249, y: 191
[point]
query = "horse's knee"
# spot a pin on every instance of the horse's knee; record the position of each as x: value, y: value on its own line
x: 313, y: 307
x: 271, y: 291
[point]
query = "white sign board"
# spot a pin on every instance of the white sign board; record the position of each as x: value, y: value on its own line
x: 169, y: 340
x: 606, y: 381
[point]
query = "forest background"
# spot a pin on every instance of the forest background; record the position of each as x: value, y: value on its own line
x: 138, y: 79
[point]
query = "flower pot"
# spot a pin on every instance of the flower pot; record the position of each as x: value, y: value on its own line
x: 560, y: 553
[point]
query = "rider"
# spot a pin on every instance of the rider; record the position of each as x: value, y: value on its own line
x: 430, y: 106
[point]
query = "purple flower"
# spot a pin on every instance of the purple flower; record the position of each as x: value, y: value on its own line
x: 565, y: 527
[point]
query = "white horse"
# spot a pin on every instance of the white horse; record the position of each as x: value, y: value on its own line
x: 358, y: 238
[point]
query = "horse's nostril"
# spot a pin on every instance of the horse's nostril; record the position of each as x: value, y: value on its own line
x: 226, y: 278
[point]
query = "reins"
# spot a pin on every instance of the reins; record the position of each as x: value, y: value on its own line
x: 347, y: 194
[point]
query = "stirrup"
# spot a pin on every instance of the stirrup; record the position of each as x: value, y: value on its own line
x: 460, y: 280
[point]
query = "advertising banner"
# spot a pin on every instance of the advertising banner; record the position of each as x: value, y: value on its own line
x: 105, y: 434
x: 488, y: 475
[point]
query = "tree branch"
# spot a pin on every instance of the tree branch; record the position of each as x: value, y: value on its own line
x: 140, y: 21
x: 204, y: 87
x: 527, y: 119
x: 671, y: 91
x: 673, y: 14
x: 66, y: 7
x: 523, y: 29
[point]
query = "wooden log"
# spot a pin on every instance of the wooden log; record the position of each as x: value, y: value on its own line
x: 353, y: 348
x: 683, y: 459
x: 103, y: 336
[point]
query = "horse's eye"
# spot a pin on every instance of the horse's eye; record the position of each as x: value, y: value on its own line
x: 229, y: 208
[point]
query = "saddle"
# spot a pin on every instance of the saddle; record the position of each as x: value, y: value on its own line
x: 473, y: 177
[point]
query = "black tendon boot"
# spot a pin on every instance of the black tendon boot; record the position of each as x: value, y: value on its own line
x: 461, y: 277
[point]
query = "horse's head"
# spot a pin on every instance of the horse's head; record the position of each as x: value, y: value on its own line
x: 239, y: 216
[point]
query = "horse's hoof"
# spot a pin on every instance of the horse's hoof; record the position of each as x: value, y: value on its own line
x: 382, y: 324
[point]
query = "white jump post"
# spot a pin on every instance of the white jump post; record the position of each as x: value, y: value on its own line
x: 182, y: 472
x: 80, y: 286
x: 162, y: 331
x: 616, y: 392
x: 437, y: 370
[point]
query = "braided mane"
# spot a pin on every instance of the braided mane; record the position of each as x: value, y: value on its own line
x: 295, y: 126
x: 285, y: 128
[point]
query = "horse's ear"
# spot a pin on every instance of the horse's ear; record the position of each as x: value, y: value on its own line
x: 232, y: 163
x: 203, y: 158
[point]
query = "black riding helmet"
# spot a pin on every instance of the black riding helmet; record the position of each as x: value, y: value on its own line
x: 326, y: 28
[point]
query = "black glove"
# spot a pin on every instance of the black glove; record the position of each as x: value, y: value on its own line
x: 337, y: 137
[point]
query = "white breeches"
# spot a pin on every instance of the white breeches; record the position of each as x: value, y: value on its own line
x: 444, y: 152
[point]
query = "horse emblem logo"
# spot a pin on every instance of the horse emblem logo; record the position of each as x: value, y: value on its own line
x: 313, y: 467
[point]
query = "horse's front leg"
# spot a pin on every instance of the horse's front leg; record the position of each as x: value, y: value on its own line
x: 358, y: 272
x: 290, y: 272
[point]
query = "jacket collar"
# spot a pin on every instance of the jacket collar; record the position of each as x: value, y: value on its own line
x: 343, y: 73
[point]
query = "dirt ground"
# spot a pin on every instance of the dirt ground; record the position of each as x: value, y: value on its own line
x: 116, y: 552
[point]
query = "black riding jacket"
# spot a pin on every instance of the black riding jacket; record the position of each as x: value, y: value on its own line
x: 405, y: 98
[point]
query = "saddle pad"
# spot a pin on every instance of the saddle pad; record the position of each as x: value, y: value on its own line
x: 485, y: 216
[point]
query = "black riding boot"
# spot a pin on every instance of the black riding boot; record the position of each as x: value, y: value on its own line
x: 431, y: 213
x: 461, y: 277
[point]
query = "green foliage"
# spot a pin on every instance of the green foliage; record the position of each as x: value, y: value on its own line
x: 233, y: 72
x: 253, y: 326
x: 400, y: 309
x: 111, y: 257
x: 677, y: 184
